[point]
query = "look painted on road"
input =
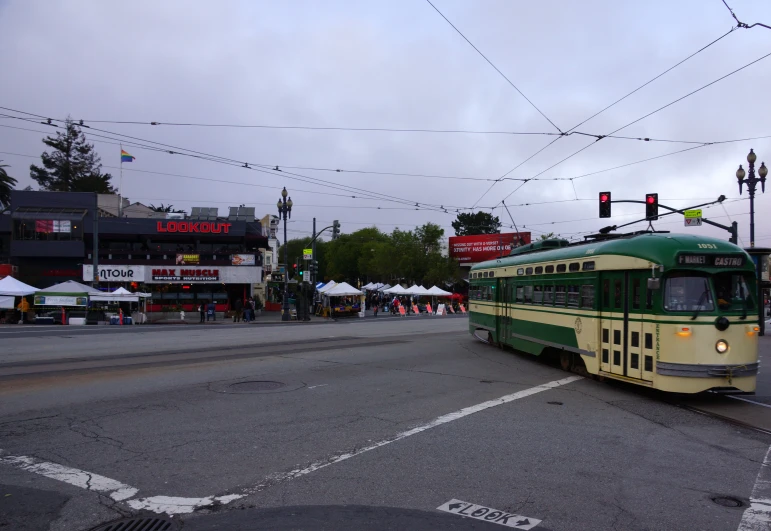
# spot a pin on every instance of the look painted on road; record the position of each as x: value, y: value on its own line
x: 488, y: 514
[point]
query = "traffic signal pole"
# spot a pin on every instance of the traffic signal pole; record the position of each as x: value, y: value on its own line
x: 733, y: 229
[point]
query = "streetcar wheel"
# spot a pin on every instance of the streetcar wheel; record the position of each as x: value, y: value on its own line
x: 567, y: 360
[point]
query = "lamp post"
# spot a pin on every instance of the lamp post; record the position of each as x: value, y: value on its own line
x: 758, y: 254
x: 285, y: 210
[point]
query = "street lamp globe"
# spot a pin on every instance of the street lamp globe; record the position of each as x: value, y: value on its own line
x: 740, y: 173
x: 751, y: 158
x: 289, y: 203
x: 762, y: 171
x: 284, y: 193
x: 279, y: 204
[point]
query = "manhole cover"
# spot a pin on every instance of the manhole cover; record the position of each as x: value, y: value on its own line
x: 143, y: 523
x: 727, y: 501
x: 255, y: 386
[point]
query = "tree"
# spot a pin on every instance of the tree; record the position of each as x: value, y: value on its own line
x: 430, y: 237
x: 548, y: 236
x: 480, y: 222
x: 72, y: 166
x: 165, y: 208
x: 7, y: 183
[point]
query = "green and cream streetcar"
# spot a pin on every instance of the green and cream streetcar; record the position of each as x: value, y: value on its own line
x: 667, y: 311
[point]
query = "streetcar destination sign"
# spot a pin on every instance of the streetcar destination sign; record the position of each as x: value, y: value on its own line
x: 711, y: 260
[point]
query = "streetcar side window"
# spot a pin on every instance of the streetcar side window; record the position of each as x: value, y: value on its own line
x: 539, y: 270
x: 520, y: 271
x: 529, y: 271
x: 559, y: 299
x: 528, y: 294
x: 520, y: 294
x: 548, y: 295
x: 688, y: 294
x: 550, y: 269
x: 636, y: 293
x: 573, y: 296
x: 538, y: 294
x: 561, y: 268
x: 617, y: 293
x: 587, y: 296
x: 489, y: 293
x: 606, y: 293
x: 575, y: 266
x: 588, y: 266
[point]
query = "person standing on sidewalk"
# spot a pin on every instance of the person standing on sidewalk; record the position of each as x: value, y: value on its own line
x: 202, y: 311
x: 238, y: 309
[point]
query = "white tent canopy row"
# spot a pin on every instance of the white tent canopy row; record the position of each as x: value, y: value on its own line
x: 328, y: 286
x: 438, y: 292
x: 71, y: 287
x: 417, y: 290
x: 119, y: 295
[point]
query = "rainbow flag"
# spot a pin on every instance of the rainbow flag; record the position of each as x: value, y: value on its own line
x: 125, y: 157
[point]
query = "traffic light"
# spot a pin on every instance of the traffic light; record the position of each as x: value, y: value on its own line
x: 651, y: 206
x: 604, y: 204
x: 335, y: 229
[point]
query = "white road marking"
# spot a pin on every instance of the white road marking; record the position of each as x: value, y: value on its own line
x: 758, y: 516
x: 488, y: 514
x: 748, y: 400
x: 444, y: 419
x: 80, y: 478
x: 175, y: 505
x: 315, y: 386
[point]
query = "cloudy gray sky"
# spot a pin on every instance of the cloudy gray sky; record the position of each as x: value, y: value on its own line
x: 398, y: 64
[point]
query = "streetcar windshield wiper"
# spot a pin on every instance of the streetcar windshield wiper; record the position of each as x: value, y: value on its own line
x: 702, y: 300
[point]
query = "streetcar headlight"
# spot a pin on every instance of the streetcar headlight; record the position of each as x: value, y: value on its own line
x: 721, y: 346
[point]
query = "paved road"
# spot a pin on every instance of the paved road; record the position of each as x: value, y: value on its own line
x: 356, y: 424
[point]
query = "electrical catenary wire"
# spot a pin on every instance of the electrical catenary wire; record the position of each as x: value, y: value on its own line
x: 494, y: 67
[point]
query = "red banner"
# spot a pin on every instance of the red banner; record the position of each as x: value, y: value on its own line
x: 481, y: 247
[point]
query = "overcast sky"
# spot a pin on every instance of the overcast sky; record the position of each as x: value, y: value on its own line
x: 399, y: 64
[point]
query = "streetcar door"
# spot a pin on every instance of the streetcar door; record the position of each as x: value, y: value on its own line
x: 615, y: 314
x: 636, y: 304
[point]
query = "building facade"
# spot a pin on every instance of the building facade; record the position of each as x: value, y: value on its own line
x: 182, y: 260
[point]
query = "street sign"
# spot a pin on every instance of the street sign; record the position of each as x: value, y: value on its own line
x: 692, y: 218
x: 307, y: 254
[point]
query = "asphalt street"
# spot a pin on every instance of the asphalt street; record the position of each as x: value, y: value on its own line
x: 358, y: 424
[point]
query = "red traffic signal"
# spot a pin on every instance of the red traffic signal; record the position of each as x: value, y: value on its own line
x: 651, y: 206
x: 604, y: 204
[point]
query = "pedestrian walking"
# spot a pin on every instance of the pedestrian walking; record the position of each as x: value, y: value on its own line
x: 252, y: 307
x: 238, y: 310
x: 202, y: 311
x: 374, y: 308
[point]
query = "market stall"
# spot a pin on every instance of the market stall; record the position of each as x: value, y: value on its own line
x: 347, y: 300
x: 61, y: 302
x: 10, y: 289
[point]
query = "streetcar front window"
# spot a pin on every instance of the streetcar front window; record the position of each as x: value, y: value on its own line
x: 732, y: 292
x: 688, y: 294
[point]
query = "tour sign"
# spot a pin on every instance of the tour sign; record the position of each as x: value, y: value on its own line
x: 692, y: 218
x: 307, y: 254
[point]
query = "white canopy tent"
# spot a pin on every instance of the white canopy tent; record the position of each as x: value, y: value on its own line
x: 438, y: 292
x: 119, y: 295
x: 14, y: 288
x: 368, y: 285
x: 6, y: 302
x: 72, y: 287
x: 343, y: 290
x: 396, y: 290
x: 416, y: 290
x: 328, y: 286
x: 384, y: 287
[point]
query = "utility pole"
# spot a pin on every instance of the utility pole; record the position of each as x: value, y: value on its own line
x: 95, y: 252
x: 313, y: 258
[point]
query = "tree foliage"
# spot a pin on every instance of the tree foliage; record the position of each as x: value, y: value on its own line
x: 7, y: 183
x: 72, y: 165
x: 412, y: 256
x: 480, y: 222
x: 165, y: 208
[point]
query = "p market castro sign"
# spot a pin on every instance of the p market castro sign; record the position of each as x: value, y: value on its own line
x: 711, y: 260
x: 185, y: 275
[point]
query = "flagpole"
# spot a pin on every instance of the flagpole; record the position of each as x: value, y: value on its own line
x: 120, y: 186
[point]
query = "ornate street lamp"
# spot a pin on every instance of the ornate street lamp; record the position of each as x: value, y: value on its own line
x: 285, y: 210
x: 758, y: 254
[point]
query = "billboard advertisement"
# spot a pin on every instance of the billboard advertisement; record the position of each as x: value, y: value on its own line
x: 480, y: 247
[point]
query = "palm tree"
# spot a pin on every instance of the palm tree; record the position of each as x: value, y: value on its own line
x: 165, y: 208
x: 7, y: 183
